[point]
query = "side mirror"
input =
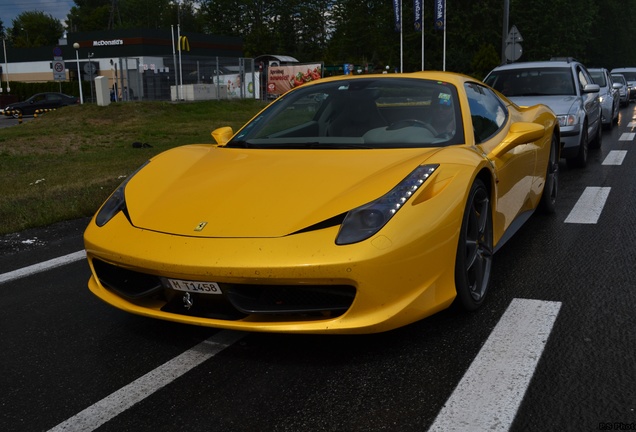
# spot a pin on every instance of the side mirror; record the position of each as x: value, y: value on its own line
x: 591, y: 88
x: 617, y: 85
x: 519, y: 133
x: 222, y: 135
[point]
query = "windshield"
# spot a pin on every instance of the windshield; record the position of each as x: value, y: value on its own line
x: 599, y: 78
x: 358, y: 113
x: 629, y: 75
x: 619, y: 79
x: 533, y: 82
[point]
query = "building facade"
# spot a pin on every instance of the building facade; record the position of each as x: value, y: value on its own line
x: 138, y: 63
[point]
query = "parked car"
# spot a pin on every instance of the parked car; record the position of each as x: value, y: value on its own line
x: 630, y: 75
x: 351, y: 204
x: 608, y: 95
x: 623, y: 90
x: 47, y: 100
x: 567, y: 88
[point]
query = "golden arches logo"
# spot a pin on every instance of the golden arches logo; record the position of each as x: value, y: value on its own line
x: 184, y: 44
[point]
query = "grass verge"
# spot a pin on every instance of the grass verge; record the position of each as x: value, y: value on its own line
x: 63, y: 164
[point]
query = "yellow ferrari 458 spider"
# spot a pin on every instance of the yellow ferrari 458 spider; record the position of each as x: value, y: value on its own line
x: 348, y: 205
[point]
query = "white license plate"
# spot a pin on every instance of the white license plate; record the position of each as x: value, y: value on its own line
x: 195, y: 286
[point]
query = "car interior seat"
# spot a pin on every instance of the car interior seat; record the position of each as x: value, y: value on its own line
x: 355, y: 115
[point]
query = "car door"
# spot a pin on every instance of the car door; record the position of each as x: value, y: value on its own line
x: 516, y: 169
x: 613, y: 91
x: 36, y: 103
x: 53, y: 101
x: 590, y: 101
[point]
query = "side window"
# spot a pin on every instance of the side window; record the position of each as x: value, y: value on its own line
x: 487, y: 112
x: 583, y: 79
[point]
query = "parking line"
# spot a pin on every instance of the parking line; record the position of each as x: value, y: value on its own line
x: 119, y: 401
x: 488, y: 396
x: 627, y: 136
x: 615, y: 157
x: 588, y: 208
x: 43, y: 266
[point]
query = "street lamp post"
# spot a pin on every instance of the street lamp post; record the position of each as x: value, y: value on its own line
x: 90, y: 68
x: 79, y: 75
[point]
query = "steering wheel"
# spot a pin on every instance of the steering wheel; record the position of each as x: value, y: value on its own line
x: 411, y: 122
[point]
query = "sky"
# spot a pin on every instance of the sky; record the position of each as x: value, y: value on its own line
x: 10, y: 9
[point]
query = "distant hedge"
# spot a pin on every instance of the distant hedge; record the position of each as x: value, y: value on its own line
x: 24, y: 90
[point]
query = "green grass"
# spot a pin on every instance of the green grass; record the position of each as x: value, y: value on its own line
x: 63, y: 164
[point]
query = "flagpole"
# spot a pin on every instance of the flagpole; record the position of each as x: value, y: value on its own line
x: 401, y: 40
x: 444, y: 60
x: 422, y: 30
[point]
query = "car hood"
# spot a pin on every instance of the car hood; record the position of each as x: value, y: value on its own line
x: 208, y: 191
x: 559, y: 104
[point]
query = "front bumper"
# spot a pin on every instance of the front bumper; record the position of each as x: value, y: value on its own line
x: 570, y: 141
x: 301, y: 283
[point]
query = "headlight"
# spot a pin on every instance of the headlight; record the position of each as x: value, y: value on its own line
x: 364, y: 221
x: 567, y: 120
x: 116, y: 202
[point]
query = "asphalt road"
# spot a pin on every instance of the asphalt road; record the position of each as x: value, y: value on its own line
x: 6, y: 121
x: 553, y: 349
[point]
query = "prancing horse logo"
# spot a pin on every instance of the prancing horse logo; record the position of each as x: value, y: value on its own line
x: 200, y: 226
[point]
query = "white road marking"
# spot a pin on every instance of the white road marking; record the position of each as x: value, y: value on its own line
x: 488, y: 396
x: 631, y: 124
x: 119, y: 401
x: 588, y: 208
x: 43, y: 266
x: 627, y: 136
x: 615, y: 157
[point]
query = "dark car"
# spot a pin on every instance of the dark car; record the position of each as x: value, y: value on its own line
x: 48, y: 100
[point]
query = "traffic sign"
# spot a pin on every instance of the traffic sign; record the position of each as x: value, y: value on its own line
x: 514, y: 36
x: 59, y: 70
x: 513, y: 52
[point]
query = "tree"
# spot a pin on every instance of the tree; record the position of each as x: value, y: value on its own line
x: 35, y: 29
x: 362, y: 31
x: 90, y: 15
x: 554, y: 28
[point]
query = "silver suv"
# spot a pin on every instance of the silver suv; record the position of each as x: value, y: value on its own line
x: 567, y: 88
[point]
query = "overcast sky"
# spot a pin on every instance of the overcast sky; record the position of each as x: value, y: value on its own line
x: 9, y: 9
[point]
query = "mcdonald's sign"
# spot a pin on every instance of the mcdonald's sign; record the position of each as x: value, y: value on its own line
x: 184, y: 44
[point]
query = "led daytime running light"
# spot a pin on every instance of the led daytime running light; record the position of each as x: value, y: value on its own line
x: 364, y: 221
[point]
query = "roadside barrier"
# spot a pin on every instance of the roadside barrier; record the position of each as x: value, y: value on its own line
x: 42, y: 111
x: 10, y: 113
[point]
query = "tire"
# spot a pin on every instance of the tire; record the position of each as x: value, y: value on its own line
x: 598, y: 139
x: 551, y: 186
x: 17, y: 113
x: 580, y: 160
x: 475, y: 249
